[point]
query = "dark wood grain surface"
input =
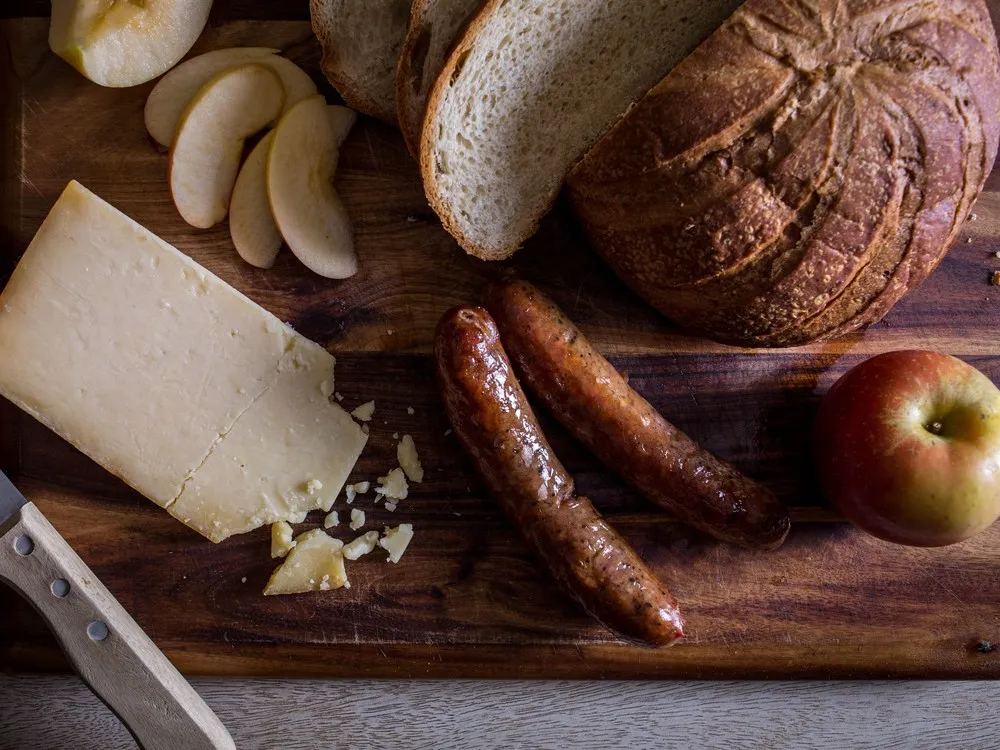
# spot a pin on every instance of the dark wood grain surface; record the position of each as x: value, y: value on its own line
x: 467, y: 600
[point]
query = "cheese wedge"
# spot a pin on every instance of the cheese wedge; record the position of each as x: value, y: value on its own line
x: 168, y: 377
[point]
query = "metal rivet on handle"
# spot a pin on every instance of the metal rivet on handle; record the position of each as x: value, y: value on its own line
x: 97, y: 630
x: 24, y: 545
x: 60, y: 587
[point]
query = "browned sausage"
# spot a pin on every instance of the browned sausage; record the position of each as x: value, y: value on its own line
x: 495, y: 424
x: 595, y: 403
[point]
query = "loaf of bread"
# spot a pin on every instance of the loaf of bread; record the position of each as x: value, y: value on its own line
x: 805, y: 167
x: 361, y: 42
x: 435, y: 25
x: 527, y: 90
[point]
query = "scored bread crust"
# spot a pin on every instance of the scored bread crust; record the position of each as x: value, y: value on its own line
x: 805, y: 167
x: 365, y: 79
x: 434, y: 27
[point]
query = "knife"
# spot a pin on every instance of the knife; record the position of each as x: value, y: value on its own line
x: 109, y: 650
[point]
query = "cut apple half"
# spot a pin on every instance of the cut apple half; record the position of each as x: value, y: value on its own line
x: 173, y: 93
x: 205, y: 157
x: 306, y: 208
x: 251, y: 225
x: 122, y: 43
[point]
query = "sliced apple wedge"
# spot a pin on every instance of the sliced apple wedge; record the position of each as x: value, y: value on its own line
x: 122, y: 43
x: 306, y: 208
x: 205, y: 157
x: 251, y: 225
x: 172, y: 94
x: 343, y: 119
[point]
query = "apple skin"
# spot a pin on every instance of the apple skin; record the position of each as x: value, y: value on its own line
x: 908, y: 448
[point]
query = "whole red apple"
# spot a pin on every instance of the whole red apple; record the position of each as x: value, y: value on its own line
x: 908, y: 448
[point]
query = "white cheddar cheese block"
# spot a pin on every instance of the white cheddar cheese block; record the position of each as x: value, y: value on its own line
x: 149, y: 364
x: 315, y: 564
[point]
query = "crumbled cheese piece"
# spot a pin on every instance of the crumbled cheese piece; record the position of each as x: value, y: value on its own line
x: 361, y: 546
x: 390, y: 506
x: 393, y: 485
x: 406, y: 453
x: 364, y: 412
x: 353, y: 490
x: 313, y: 486
x: 281, y: 539
x: 364, y: 429
x: 316, y: 564
x: 347, y: 584
x: 332, y: 519
x: 395, y: 436
x: 395, y: 541
x: 974, y: 217
x: 409, y: 410
x: 447, y: 433
x: 337, y: 396
x: 357, y: 519
x: 243, y: 579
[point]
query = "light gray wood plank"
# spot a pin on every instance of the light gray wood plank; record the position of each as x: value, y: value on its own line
x: 58, y: 713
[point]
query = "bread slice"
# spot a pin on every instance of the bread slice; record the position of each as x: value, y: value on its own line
x: 528, y: 89
x: 361, y: 41
x: 435, y: 25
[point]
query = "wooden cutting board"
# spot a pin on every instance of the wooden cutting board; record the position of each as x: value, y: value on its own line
x: 467, y: 600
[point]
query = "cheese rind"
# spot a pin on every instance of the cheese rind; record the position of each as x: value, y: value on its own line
x: 157, y: 369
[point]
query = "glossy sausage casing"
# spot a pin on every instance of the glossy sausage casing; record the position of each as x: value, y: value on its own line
x: 595, y: 403
x: 493, y: 421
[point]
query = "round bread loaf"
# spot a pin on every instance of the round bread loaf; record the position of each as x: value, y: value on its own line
x: 806, y: 166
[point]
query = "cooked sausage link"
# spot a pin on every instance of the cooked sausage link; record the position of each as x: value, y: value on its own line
x: 496, y: 426
x: 595, y: 403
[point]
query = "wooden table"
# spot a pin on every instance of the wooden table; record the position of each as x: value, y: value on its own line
x: 468, y: 600
x: 57, y: 713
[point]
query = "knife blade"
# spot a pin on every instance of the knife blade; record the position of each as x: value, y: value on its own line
x: 11, y: 499
x: 107, y: 648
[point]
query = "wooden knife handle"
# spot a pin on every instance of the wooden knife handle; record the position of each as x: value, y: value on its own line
x: 110, y: 651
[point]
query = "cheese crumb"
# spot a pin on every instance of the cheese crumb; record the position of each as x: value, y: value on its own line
x: 406, y: 453
x: 337, y: 396
x: 357, y: 519
x: 360, y: 546
x: 243, y: 579
x: 395, y: 541
x: 326, y: 388
x: 390, y: 506
x: 281, y: 539
x: 393, y: 486
x: 395, y: 436
x: 353, y: 490
x: 332, y: 519
x: 364, y: 412
x: 313, y: 486
x: 409, y: 410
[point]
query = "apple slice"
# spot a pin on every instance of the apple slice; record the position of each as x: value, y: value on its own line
x: 251, y: 225
x: 256, y: 237
x: 343, y: 119
x: 122, y: 43
x: 306, y: 208
x: 205, y: 157
x: 172, y: 94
